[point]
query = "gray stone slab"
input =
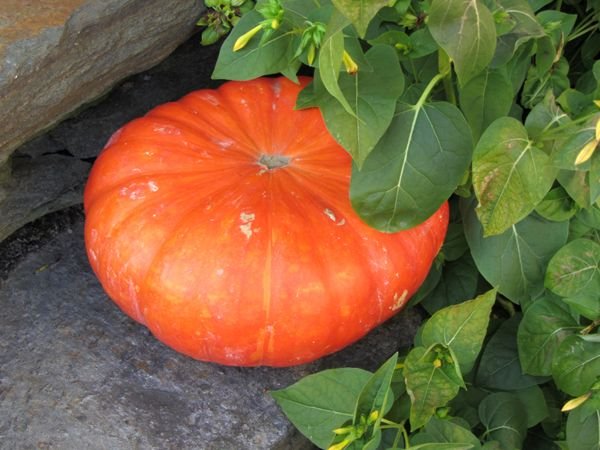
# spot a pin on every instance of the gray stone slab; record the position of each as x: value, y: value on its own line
x: 76, y: 373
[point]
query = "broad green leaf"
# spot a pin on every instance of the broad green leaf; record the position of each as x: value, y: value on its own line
x: 255, y: 59
x: 458, y: 282
x: 307, y: 97
x: 427, y: 385
x: 462, y: 328
x: 441, y: 446
x: 537, y: 84
x: 576, y: 365
x: 545, y: 325
x: 376, y: 394
x: 557, y: 206
x: 510, y: 175
x: 499, y: 367
x: 466, y: 31
x: 455, y: 244
x: 330, y: 58
x: 372, y: 96
x: 566, y: 154
x: 575, y: 269
x: 590, y: 216
x: 578, y: 229
x: 322, y: 402
x: 526, y: 28
x: 465, y: 405
x: 559, y: 24
x: 576, y: 103
x: 504, y: 419
x: 298, y: 12
x: 592, y: 404
x: 360, y: 12
x: 577, y: 185
x: 517, y: 66
x: 534, y: 402
x: 430, y: 283
x: 583, y: 432
x: 538, y: 4
x: 445, y: 431
x: 485, y: 98
x: 515, y: 261
x: 544, y: 55
x: 545, y: 116
x: 408, y: 47
x: 493, y: 445
x: 414, y: 168
x: 586, y: 304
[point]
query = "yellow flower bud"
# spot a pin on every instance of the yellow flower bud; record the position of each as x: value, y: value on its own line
x: 373, y: 416
x: 575, y: 402
x: 343, y: 430
x: 310, y: 55
x: 437, y: 363
x: 341, y: 445
x: 243, y: 40
x: 586, y: 152
x: 351, y: 66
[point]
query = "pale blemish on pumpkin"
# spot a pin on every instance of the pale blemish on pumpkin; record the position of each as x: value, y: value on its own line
x: 246, y: 226
x: 153, y: 186
x: 168, y: 130
x: 224, y: 143
x: 219, y: 272
x: 329, y: 213
x: 276, y: 88
x: 211, y: 99
x: 399, y: 300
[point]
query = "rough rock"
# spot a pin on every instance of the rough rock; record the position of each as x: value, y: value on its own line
x: 77, y: 373
x: 57, y: 55
x: 48, y: 173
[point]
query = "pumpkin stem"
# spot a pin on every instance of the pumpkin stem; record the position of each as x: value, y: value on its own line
x: 274, y: 161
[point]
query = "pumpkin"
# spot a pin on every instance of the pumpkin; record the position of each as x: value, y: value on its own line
x: 222, y: 222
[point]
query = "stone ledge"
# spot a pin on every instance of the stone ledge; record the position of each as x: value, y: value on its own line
x: 57, y: 55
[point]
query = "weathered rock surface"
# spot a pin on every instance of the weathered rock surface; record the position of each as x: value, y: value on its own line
x: 78, y: 374
x: 56, y: 55
x: 48, y: 173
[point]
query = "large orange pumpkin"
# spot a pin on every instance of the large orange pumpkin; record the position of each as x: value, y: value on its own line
x: 222, y: 223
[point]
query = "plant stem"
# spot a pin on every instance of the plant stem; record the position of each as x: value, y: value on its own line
x: 507, y: 306
x: 588, y: 24
x: 590, y: 327
x: 435, y: 80
x: 405, y: 437
x: 558, y: 131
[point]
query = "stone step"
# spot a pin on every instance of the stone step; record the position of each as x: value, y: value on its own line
x: 75, y: 372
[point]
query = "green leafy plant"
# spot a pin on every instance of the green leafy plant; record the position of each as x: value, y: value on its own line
x: 494, y: 104
x: 220, y: 16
